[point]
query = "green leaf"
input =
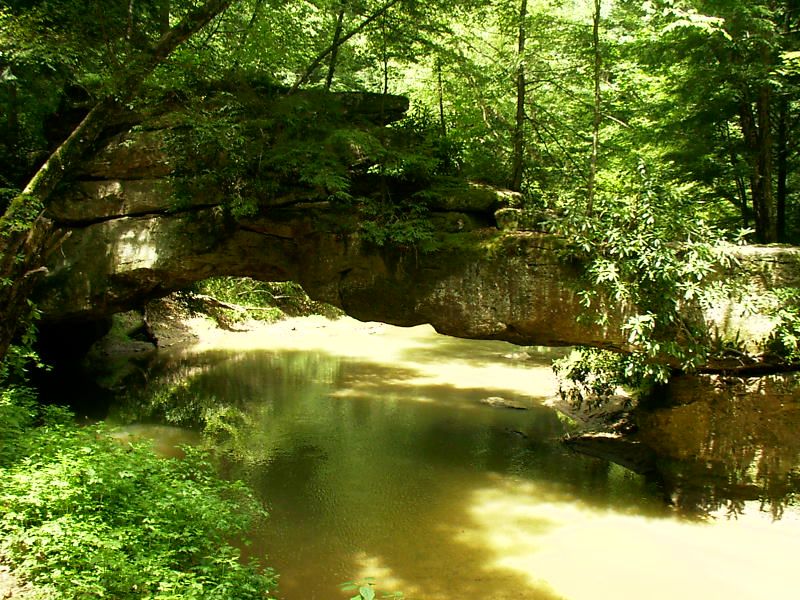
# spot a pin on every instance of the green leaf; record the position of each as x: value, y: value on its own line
x: 366, y: 592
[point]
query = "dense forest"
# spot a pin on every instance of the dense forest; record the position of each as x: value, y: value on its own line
x: 644, y: 132
x: 572, y: 102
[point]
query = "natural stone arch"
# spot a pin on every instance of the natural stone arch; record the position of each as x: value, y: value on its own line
x: 122, y: 241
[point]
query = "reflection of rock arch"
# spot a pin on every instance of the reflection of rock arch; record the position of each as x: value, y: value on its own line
x: 727, y: 441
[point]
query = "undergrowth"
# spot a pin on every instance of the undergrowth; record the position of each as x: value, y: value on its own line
x: 85, y: 516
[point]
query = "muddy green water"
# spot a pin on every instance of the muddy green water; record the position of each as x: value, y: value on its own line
x: 376, y: 457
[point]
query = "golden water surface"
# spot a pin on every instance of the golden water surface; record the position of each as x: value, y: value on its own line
x: 377, y: 458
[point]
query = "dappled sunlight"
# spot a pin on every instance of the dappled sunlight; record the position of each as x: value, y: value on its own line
x: 134, y: 249
x: 418, y: 351
x: 372, y: 568
x: 588, y: 553
x: 452, y: 573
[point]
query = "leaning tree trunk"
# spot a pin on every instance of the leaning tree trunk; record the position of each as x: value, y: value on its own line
x: 337, y: 33
x: 24, y: 231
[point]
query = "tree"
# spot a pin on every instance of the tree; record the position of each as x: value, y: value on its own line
x: 517, y: 162
x: 722, y: 61
x: 24, y: 231
x: 339, y: 39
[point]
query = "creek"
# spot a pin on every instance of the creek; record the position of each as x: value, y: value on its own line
x: 378, y: 456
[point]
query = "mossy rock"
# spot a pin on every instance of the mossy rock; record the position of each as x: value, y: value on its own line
x: 516, y: 219
x: 459, y: 196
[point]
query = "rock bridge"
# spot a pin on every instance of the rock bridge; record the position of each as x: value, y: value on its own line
x: 121, y: 240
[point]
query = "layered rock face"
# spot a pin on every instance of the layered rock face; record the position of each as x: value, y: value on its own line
x: 123, y: 240
x: 479, y: 284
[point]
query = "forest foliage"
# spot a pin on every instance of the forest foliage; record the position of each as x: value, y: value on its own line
x: 89, y: 516
x: 646, y: 133
x: 700, y: 94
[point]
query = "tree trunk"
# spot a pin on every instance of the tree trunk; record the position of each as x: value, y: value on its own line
x: 24, y: 232
x: 440, y: 93
x: 385, y: 61
x: 12, y: 118
x: 518, y: 157
x: 783, y: 167
x: 163, y: 16
x: 762, y: 174
x: 337, y: 33
x: 314, y: 64
x: 131, y: 18
x: 597, y: 107
x: 757, y: 132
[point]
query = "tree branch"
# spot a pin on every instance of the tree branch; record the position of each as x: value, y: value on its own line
x: 314, y: 65
x: 23, y: 230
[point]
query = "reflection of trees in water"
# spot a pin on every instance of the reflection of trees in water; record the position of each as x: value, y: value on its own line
x: 180, y: 390
x: 718, y: 445
x: 228, y: 396
x: 725, y: 442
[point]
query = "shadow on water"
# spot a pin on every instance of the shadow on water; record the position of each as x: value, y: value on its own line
x: 384, y: 468
x: 369, y: 473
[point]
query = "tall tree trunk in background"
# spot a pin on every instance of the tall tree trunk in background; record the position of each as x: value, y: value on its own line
x: 764, y: 167
x: 337, y: 33
x: 518, y: 156
x: 597, y: 106
x: 782, y: 152
x: 440, y: 93
x: 385, y: 62
x: 757, y: 132
x: 24, y: 231
x: 741, y: 186
x: 783, y: 167
x: 129, y: 33
x: 12, y: 118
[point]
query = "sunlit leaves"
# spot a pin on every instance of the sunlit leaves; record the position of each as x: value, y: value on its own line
x: 85, y: 516
x: 646, y: 251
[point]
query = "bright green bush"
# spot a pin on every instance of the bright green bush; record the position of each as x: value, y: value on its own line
x: 263, y: 300
x: 84, y: 516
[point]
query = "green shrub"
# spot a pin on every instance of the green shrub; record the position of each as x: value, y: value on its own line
x: 84, y: 516
x: 589, y: 377
x: 261, y: 300
x: 17, y: 414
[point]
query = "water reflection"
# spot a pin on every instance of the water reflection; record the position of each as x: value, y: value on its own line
x: 723, y: 443
x: 377, y: 458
